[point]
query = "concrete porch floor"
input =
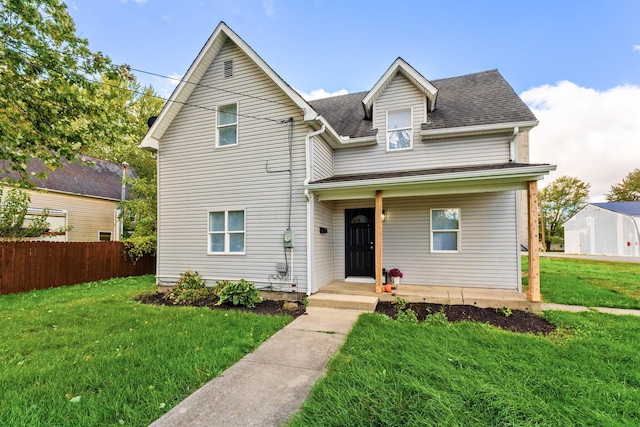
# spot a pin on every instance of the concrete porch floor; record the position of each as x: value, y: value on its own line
x: 479, y: 297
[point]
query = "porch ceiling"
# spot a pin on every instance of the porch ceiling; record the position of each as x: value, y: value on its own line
x: 457, y: 180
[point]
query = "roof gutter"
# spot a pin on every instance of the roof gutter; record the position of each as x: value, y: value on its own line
x: 524, y: 172
x: 310, y: 208
x: 479, y: 129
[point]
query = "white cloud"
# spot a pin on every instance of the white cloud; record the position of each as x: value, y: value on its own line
x: 636, y: 47
x: 320, y: 93
x: 591, y: 135
x: 269, y: 8
x: 164, y: 87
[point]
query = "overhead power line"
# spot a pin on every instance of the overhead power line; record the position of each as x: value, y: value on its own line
x: 207, y: 86
x: 93, y: 81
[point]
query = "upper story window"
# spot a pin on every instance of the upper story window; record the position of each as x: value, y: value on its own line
x: 227, y: 125
x: 399, y: 130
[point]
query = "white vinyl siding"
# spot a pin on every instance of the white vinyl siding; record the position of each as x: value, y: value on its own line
x: 227, y: 125
x: 322, y: 159
x: 226, y: 232
x: 194, y: 178
x: 324, y: 243
x: 445, y: 230
x: 476, y: 150
x: 488, y: 237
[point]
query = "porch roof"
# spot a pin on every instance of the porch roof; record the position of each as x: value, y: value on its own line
x: 452, y: 180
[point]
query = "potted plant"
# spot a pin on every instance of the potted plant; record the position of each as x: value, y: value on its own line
x: 395, y: 275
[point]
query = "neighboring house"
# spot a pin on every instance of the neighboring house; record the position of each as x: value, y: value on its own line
x: 83, y: 195
x: 257, y: 183
x: 604, y: 229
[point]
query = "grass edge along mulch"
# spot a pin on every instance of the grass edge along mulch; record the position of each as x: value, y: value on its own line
x: 91, y: 355
x: 467, y: 373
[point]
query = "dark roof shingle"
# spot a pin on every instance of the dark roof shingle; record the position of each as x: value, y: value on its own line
x: 95, y: 178
x: 474, y: 99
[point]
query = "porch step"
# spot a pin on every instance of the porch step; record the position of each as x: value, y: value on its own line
x: 351, y: 302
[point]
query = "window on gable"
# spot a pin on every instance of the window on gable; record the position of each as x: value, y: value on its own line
x: 226, y: 232
x: 399, y: 129
x: 445, y: 230
x: 227, y: 125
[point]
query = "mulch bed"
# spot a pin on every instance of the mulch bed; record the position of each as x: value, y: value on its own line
x: 272, y: 307
x: 517, y: 321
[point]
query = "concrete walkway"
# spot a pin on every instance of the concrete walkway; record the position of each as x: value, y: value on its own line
x: 579, y: 308
x: 268, y: 386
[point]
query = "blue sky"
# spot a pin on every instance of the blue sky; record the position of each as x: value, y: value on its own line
x: 553, y: 53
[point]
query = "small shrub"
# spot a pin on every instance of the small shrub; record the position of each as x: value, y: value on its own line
x: 219, y: 286
x: 242, y: 292
x: 439, y: 318
x: 504, y: 311
x: 407, y: 315
x: 189, y: 289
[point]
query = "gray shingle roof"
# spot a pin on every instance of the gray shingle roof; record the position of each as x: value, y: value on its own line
x: 474, y: 99
x: 346, y: 114
x: 626, y: 208
x: 99, y: 178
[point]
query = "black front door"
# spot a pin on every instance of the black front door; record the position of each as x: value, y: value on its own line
x: 360, y: 228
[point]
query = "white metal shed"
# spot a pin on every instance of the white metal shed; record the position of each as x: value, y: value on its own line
x: 604, y: 229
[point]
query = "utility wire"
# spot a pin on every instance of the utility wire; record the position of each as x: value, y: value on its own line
x: 207, y: 86
x: 90, y: 80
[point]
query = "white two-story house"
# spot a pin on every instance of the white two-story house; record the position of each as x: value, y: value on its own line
x: 424, y: 176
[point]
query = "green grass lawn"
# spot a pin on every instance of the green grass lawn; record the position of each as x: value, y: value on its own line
x: 465, y: 374
x: 589, y: 283
x: 88, y: 355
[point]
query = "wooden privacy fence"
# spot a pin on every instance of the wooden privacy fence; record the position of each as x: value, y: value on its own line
x: 25, y: 266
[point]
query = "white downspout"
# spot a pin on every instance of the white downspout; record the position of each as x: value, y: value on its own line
x: 310, y: 207
x: 512, y: 145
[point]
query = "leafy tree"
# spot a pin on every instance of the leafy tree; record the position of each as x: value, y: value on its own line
x: 559, y: 201
x: 125, y: 110
x: 13, y: 212
x: 45, y: 84
x: 628, y: 190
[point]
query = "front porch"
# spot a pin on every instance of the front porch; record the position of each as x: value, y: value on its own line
x: 340, y: 294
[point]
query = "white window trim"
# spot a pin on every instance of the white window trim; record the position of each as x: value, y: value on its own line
x: 458, y: 231
x: 236, y: 124
x: 105, y: 232
x: 226, y: 232
x: 410, y: 128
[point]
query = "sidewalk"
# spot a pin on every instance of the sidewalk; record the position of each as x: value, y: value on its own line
x: 266, y: 387
x: 579, y: 308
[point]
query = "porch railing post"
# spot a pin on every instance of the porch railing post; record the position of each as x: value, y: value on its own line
x: 534, y: 257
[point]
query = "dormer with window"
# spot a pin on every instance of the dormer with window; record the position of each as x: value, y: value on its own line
x: 404, y: 114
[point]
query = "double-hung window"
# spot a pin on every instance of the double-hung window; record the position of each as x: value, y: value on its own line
x: 226, y: 232
x: 227, y: 125
x: 399, y: 129
x: 445, y: 230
